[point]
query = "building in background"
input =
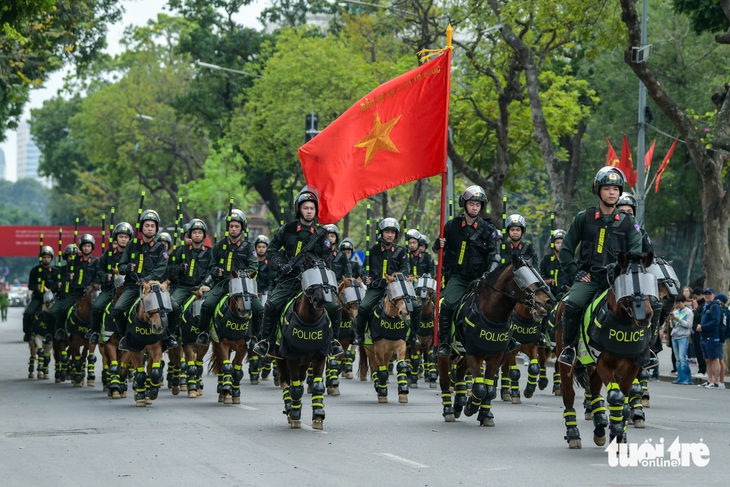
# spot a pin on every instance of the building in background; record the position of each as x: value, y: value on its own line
x: 28, y: 155
x: 2, y: 164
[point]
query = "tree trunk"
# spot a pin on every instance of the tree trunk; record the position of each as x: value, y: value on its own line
x: 266, y: 191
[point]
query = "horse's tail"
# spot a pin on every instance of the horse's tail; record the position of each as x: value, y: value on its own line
x: 581, y: 378
x: 363, y: 362
x: 215, y: 364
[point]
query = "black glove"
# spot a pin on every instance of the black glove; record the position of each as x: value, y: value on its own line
x: 579, y: 275
x: 285, y: 269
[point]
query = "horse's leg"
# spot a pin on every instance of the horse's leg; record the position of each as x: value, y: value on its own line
x: 74, y: 353
x: 380, y: 369
x: 433, y: 371
x: 362, y: 367
x: 402, y: 368
x: 199, y: 351
x: 113, y: 376
x: 284, y: 383
x: 504, y: 389
x: 460, y: 388
x: 296, y: 391
x: 254, y: 368
x: 636, y: 401
x: 31, y: 360
x: 226, y: 373
x: 154, y: 363
x: 174, y: 356
x: 616, y: 397
x: 89, y: 351
x: 47, y: 349
x: 310, y: 378
x: 184, y: 374
x: 237, y: 375
x: 348, y: 359
x: 533, y: 369
x: 557, y: 381
x: 444, y: 365
x: 514, y: 378
x: 571, y: 420
x: 193, y: 373
x: 140, y: 379
x: 265, y: 368
x: 644, y: 381
x: 318, y: 388
x: 127, y: 370
x: 598, y: 410
x: 333, y: 374
x: 414, y: 357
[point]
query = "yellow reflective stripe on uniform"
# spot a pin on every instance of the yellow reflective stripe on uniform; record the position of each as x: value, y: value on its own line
x: 385, y: 268
x: 81, y: 276
x: 192, y: 267
x: 228, y: 263
x: 141, y: 263
x: 299, y: 248
x: 601, y: 238
x: 461, y: 253
x: 415, y: 270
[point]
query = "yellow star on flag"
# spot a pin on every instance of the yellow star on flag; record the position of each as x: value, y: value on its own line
x: 379, y: 138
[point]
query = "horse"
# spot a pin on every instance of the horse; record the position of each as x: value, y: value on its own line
x: 423, y: 354
x: 483, y: 332
x: 305, y: 339
x: 190, y: 353
x: 145, y: 332
x: 77, y: 324
x: 387, y: 333
x: 230, y: 333
x: 526, y: 330
x: 619, y: 332
x: 113, y: 369
x: 40, y: 352
x: 349, y: 293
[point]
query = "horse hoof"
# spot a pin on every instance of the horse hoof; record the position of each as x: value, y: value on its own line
x: 140, y: 403
x: 227, y: 400
x: 450, y: 418
x: 335, y: 391
x: 254, y: 382
x: 30, y: 375
x: 639, y: 423
x: 528, y: 394
x: 516, y: 400
x: 116, y: 395
x: 413, y: 385
x: 200, y: 391
x: 309, y: 389
x: 457, y: 413
x: 296, y: 424
x: 220, y: 397
x: 575, y: 444
x: 184, y: 387
x: 236, y: 400
x: 630, y: 421
x: 277, y: 382
x: 403, y: 398
x: 487, y: 422
x: 147, y: 400
x: 382, y: 399
x: 599, y: 440
x: 78, y: 384
x: 176, y: 391
x: 645, y: 402
x: 58, y: 381
x: 191, y: 394
x: 363, y: 379
x: 317, y: 424
x: 558, y: 392
x: 90, y: 383
x: 123, y: 395
x: 348, y: 375
x: 588, y: 416
x: 420, y: 375
x: 506, y: 397
x: 432, y: 385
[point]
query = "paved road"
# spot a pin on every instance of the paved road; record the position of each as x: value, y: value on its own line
x: 58, y: 435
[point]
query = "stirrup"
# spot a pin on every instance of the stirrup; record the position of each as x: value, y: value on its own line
x: 653, y: 361
x: 93, y: 338
x: 567, y: 356
x: 357, y: 340
x: 444, y: 350
x: 123, y: 344
x: 261, y: 348
x: 171, y: 342
x: 60, y: 334
x: 203, y: 338
x: 337, y: 348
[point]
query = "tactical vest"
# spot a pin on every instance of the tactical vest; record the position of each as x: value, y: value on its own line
x: 106, y: 265
x: 42, y: 279
x: 146, y: 257
x: 467, y: 256
x: 197, y: 265
x: 339, y: 264
x: 384, y: 263
x: 231, y: 257
x: 420, y: 265
x: 85, y: 271
x: 601, y: 242
x: 262, y: 276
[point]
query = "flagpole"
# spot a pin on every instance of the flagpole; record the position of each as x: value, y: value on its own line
x: 444, y: 177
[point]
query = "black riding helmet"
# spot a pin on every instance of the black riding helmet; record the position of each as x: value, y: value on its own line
x: 46, y: 250
x: 608, y: 176
x: 628, y: 200
x: 164, y: 237
x: 71, y: 249
x: 333, y: 229
x: 413, y: 233
x: 122, y: 228
x: 308, y: 193
x: 262, y: 239
x: 423, y: 241
x: 557, y: 234
x: 389, y: 224
x: 198, y: 224
x: 473, y: 193
x: 87, y: 239
x: 150, y: 215
x: 347, y: 244
x: 237, y: 216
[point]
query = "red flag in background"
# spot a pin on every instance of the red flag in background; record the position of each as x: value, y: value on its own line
x: 395, y: 134
x: 649, y: 155
x: 611, y: 157
x: 664, y: 165
x: 626, y: 163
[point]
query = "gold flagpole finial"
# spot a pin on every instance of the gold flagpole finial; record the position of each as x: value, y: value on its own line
x: 426, y: 54
x: 449, y: 37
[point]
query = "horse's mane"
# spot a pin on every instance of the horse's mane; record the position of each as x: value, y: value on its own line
x: 491, y: 278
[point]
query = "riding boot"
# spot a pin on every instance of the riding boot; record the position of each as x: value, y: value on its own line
x: 415, y: 326
x: 206, y: 315
x: 542, y: 340
x: 513, y: 344
x: 121, y: 322
x: 445, y: 313
x: 571, y: 321
x: 27, y: 326
x: 94, y: 326
x: 60, y: 328
x: 359, y: 329
x: 336, y: 347
x: 269, y: 330
x: 256, y: 323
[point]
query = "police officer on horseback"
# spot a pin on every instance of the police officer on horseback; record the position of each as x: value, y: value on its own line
x: 386, y: 257
x: 515, y: 226
x: 108, y: 270
x: 419, y: 262
x: 550, y: 264
x: 142, y: 261
x: 470, y: 249
x: 347, y: 247
x: 80, y: 273
x: 338, y: 261
x: 297, y: 236
x: 42, y: 278
x: 602, y: 233
x: 627, y: 204
x: 230, y: 254
x: 263, y: 275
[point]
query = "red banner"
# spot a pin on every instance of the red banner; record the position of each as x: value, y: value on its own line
x: 24, y: 241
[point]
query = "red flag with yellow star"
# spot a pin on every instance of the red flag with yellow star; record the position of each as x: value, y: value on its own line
x: 395, y: 134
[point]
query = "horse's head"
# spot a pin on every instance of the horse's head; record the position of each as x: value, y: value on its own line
x: 529, y: 288
x: 399, y: 296
x: 667, y: 281
x: 350, y: 293
x: 319, y: 283
x: 241, y: 289
x: 155, y: 306
x: 425, y: 288
x: 634, y: 289
x: 48, y: 299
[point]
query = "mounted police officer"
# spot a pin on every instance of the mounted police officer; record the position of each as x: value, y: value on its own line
x: 230, y: 254
x: 287, y: 243
x: 550, y: 264
x: 419, y: 262
x: 108, y: 270
x: 142, y: 261
x: 166, y: 239
x: 338, y: 261
x: 386, y: 257
x: 627, y: 204
x: 42, y: 277
x: 470, y: 249
x: 602, y: 233
x: 263, y: 275
x: 347, y: 247
x: 79, y: 276
x: 515, y: 226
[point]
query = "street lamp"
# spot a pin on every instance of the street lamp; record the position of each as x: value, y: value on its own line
x: 221, y: 68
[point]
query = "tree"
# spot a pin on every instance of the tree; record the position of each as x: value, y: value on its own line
x: 708, y: 152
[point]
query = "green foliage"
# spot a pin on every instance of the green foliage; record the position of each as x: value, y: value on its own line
x: 704, y: 15
x: 24, y: 202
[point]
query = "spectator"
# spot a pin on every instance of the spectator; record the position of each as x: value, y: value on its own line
x: 690, y: 301
x: 710, y: 342
x: 4, y: 302
x: 681, y: 325
x: 695, y: 338
x: 722, y: 300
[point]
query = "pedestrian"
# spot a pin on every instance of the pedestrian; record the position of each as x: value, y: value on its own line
x: 696, y: 337
x: 680, y: 322
x: 709, y: 328
x: 4, y: 302
x: 725, y: 313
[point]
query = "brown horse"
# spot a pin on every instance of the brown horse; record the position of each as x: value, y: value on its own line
x: 483, y: 332
x: 620, y: 326
x: 525, y: 329
x: 145, y: 332
x: 79, y: 347
x: 190, y: 353
x: 230, y: 334
x: 388, y: 331
x: 349, y: 293
x: 114, y: 370
x: 424, y: 354
x: 306, y: 335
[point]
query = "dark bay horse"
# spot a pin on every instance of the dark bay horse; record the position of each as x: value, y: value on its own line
x: 620, y: 334
x: 483, y: 332
x: 79, y: 347
x: 190, y: 353
x: 230, y: 334
x: 305, y: 340
x: 110, y: 355
x: 349, y: 293
x: 423, y: 354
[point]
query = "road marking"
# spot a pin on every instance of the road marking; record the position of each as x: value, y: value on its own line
x: 405, y: 461
x: 677, y: 397
x: 309, y: 428
x: 243, y: 406
x: 665, y: 428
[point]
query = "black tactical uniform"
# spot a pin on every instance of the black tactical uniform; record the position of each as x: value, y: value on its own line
x: 41, y: 279
x: 522, y: 249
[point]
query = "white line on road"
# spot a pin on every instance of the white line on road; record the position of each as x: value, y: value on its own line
x: 677, y: 397
x: 405, y: 461
x: 243, y: 406
x: 665, y: 428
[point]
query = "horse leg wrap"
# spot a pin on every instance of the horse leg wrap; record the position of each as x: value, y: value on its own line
x: 637, y: 408
x: 598, y: 407
x: 485, y: 412
x: 192, y: 376
x: 310, y: 378
x: 227, y: 371
x: 64, y: 364
x: 460, y: 393
x: 183, y: 374
x: 175, y: 375
x: 349, y: 359
x: 571, y: 425
x: 31, y: 364
x: 333, y: 372
x: 317, y: 398
x: 237, y: 378
x: 90, y: 367
x: 46, y: 363
x: 532, y: 371
x: 469, y: 380
x: 114, y: 379
x: 286, y: 396
x: 615, y: 399
x: 254, y: 368
x: 382, y: 380
x: 155, y: 378
x: 644, y: 381
x: 297, y: 392
x: 557, y: 382
x: 105, y: 376
x: 140, y: 378
x: 57, y: 370
x: 433, y: 372
x: 543, y: 382
x: 514, y: 375
x: 587, y: 403
x: 504, y: 385
x: 199, y: 374
x: 415, y: 364
x: 446, y: 403
x: 402, y: 369
x: 78, y: 368
x: 478, y: 394
x: 170, y: 373
x: 266, y: 368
